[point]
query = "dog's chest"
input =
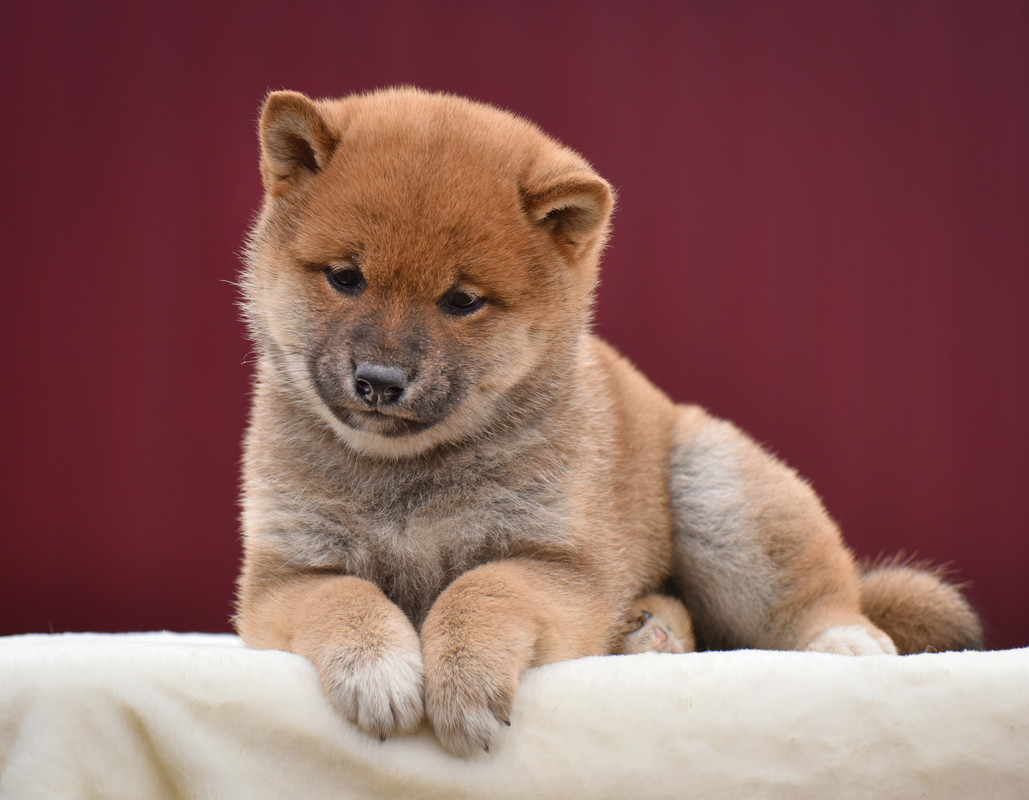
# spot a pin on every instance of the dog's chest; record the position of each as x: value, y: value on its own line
x: 412, y: 533
x: 415, y: 561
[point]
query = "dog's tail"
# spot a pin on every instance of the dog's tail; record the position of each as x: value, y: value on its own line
x: 918, y: 608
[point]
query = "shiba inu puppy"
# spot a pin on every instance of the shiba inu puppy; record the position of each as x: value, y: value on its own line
x: 448, y: 478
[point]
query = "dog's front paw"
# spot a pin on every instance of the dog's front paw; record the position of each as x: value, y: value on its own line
x: 381, y: 692
x: 853, y: 640
x: 467, y: 701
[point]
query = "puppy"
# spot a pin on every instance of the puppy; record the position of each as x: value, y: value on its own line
x: 448, y: 478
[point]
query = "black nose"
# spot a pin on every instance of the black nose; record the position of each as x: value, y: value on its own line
x: 379, y: 385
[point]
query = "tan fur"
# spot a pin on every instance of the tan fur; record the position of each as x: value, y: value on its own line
x: 658, y: 623
x: 509, y: 485
x: 919, y: 609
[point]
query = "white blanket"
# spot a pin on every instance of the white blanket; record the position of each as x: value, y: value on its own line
x: 172, y: 715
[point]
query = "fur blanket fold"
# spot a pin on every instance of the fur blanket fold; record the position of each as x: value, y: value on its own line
x: 190, y: 715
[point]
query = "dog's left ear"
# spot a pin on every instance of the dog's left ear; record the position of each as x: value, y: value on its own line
x: 573, y: 209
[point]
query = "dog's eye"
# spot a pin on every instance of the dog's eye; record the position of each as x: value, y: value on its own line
x: 347, y: 280
x: 459, y: 302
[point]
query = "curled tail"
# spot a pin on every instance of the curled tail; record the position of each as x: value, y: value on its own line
x: 918, y: 609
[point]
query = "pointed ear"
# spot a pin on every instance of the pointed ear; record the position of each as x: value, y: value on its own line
x: 295, y: 141
x: 573, y: 209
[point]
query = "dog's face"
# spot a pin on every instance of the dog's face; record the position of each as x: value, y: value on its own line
x: 418, y: 257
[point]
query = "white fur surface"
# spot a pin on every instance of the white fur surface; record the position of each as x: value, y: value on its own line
x: 174, y: 715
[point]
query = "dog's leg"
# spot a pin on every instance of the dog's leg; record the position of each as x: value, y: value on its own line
x: 758, y: 560
x: 492, y: 623
x: 365, y: 649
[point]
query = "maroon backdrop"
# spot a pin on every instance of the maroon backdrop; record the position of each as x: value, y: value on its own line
x: 822, y: 234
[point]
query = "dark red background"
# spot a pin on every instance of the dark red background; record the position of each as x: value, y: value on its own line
x: 822, y: 235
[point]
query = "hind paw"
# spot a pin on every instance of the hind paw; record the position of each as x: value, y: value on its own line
x: 853, y: 640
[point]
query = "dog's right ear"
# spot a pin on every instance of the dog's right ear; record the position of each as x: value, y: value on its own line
x: 295, y: 141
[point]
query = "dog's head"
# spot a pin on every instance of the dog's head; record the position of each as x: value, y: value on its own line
x: 418, y: 257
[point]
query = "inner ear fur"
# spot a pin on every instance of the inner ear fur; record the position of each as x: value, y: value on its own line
x: 295, y: 141
x: 574, y: 209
